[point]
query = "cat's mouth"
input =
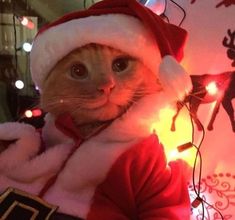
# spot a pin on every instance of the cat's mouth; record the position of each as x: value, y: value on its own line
x: 105, y: 109
x: 97, y: 104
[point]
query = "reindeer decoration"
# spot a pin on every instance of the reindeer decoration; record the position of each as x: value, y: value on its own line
x: 231, y: 45
x: 226, y: 3
x: 225, y: 83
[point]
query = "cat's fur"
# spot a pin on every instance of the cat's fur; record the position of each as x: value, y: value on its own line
x: 103, y: 93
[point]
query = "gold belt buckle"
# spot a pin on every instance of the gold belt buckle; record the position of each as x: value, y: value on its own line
x: 17, y: 204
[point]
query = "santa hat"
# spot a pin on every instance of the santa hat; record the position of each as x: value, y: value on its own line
x: 125, y: 25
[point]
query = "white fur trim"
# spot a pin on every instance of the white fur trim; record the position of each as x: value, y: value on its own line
x: 120, y: 31
x: 27, y: 144
x: 31, y: 175
x: 175, y: 80
x: 86, y: 169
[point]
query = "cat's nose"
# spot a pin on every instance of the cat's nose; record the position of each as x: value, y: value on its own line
x: 107, y: 86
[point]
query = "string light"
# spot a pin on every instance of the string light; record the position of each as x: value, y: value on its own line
x: 19, y: 84
x: 33, y: 113
x: 28, y: 114
x: 196, y: 202
x: 212, y: 88
x: 27, y: 47
x: 25, y: 21
x: 37, y: 112
x: 184, y: 147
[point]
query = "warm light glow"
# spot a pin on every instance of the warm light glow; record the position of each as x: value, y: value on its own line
x: 28, y: 114
x: 26, y: 22
x: 36, y: 112
x: 187, y: 155
x: 19, y: 84
x: 33, y: 113
x: 171, y: 140
x: 173, y: 155
x: 212, y: 88
x: 27, y: 47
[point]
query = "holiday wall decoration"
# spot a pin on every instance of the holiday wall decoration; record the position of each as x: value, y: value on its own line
x: 209, y: 88
x: 229, y: 42
x: 225, y: 3
x: 209, y: 53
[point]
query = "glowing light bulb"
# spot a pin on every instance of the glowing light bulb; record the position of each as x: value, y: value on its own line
x: 26, y: 22
x: 36, y: 112
x: 19, y: 84
x: 212, y: 88
x: 28, y: 114
x: 173, y: 155
x: 27, y: 47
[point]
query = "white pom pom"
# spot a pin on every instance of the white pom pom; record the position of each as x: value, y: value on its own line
x: 175, y: 80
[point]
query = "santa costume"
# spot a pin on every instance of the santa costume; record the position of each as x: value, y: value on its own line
x: 120, y: 173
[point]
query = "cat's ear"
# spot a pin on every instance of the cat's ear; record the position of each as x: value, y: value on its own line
x: 175, y: 80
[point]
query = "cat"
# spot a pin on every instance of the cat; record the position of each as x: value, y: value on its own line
x: 97, y: 155
x: 96, y: 84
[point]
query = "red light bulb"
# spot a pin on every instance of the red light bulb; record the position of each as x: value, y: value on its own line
x: 36, y: 112
x: 26, y: 22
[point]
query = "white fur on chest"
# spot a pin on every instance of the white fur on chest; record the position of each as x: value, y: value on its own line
x: 88, y: 167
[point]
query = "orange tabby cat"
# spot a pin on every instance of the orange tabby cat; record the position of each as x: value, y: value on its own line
x: 96, y: 84
x: 121, y: 171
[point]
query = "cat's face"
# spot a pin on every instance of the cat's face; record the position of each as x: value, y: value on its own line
x: 96, y: 83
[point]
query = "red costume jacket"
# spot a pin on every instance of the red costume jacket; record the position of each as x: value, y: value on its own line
x: 140, y: 185
x: 119, y: 174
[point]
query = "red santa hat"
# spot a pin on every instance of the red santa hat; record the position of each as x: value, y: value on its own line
x: 125, y: 25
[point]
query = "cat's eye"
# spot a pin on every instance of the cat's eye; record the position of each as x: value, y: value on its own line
x: 78, y: 71
x: 120, y: 64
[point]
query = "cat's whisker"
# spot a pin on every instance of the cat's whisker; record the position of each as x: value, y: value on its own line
x: 146, y: 92
x: 50, y: 105
x: 75, y: 110
x: 67, y: 100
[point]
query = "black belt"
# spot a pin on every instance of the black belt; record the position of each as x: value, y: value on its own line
x: 61, y: 216
x: 16, y: 204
